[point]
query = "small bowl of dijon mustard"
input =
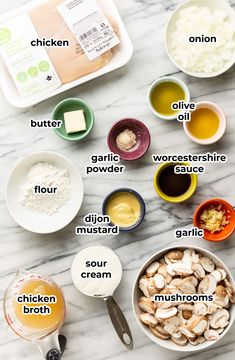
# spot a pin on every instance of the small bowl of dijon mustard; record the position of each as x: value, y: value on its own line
x: 126, y: 209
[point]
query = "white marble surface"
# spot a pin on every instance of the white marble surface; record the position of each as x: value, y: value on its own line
x: 114, y: 96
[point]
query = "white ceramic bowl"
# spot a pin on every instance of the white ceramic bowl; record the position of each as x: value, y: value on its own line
x: 37, y: 222
x: 222, y: 124
x: 160, y: 81
x: 170, y: 28
x: 136, y: 294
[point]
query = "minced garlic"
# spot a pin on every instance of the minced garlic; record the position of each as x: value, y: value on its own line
x: 213, y: 219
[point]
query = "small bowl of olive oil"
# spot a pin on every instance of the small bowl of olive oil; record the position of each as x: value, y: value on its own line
x: 163, y: 93
x: 207, y: 124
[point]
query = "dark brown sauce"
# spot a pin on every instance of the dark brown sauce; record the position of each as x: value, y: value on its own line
x: 172, y: 184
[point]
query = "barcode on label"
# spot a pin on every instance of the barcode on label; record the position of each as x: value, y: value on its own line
x: 88, y: 33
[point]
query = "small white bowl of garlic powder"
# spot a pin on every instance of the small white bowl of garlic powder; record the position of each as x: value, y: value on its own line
x: 200, y: 37
x: 44, y: 192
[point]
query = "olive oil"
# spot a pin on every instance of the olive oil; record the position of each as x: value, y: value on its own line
x: 164, y: 95
x: 204, y: 123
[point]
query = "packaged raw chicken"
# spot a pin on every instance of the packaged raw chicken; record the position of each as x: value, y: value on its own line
x: 50, y: 46
x: 70, y: 62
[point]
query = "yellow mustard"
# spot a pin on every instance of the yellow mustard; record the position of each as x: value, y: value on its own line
x: 123, y: 209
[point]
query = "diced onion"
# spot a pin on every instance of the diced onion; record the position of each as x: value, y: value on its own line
x: 203, y: 57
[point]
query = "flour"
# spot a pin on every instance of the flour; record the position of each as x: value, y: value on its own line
x: 48, y: 176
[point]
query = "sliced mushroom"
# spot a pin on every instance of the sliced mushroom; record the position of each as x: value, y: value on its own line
x: 230, y: 291
x: 217, y: 275
x: 197, y: 324
x: 163, y: 314
x: 199, y: 272
x: 184, y: 306
x: 190, y: 257
x: 164, y: 305
x: 219, y: 331
x: 222, y: 271
x: 173, y: 256
x: 187, y: 287
x: 193, y: 280
x: 152, y: 269
x: 211, y: 308
x: 198, y: 341
x: 187, y: 257
x: 143, y: 285
x: 146, y: 305
x: 170, y: 270
x: 200, y: 309
x: 159, y: 332
x: 221, y: 291
x: 211, y: 335
x: 179, y: 339
x: 171, y: 325
x: 182, y: 269
x: 152, y: 287
x: 195, y: 257
x: 207, y: 285
x: 219, y: 319
x: 162, y: 270
x: 221, y: 302
x: 207, y: 264
x: 159, y: 281
x: 187, y: 333
x: 148, y: 319
x: 185, y: 312
x: 176, y: 282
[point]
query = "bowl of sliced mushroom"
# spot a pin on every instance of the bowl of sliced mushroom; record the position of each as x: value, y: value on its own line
x: 183, y: 298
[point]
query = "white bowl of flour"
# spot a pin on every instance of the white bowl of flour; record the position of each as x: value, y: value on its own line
x: 44, y: 192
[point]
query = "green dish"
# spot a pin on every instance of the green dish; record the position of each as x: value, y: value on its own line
x: 68, y: 105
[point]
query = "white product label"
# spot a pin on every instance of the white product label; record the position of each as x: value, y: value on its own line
x: 89, y: 25
x: 30, y: 67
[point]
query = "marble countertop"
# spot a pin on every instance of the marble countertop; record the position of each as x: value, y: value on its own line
x: 114, y: 96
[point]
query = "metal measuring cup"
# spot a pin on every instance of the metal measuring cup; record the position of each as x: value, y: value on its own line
x: 94, y: 254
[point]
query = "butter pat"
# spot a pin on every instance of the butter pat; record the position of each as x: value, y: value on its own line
x: 74, y: 121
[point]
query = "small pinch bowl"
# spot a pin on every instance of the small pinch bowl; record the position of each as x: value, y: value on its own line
x: 230, y: 215
x: 160, y: 81
x: 143, y: 139
x: 222, y: 123
x: 137, y: 196
x: 178, y: 199
x: 136, y: 294
x: 73, y: 104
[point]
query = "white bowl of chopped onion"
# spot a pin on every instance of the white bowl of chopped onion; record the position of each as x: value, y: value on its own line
x: 200, y: 37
